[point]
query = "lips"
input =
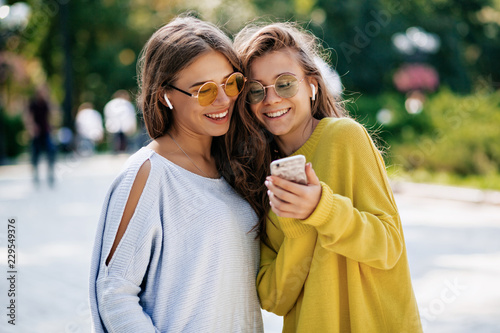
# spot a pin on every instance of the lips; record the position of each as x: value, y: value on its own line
x: 277, y: 113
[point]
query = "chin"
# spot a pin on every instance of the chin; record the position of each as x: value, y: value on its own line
x: 277, y: 131
x: 220, y: 131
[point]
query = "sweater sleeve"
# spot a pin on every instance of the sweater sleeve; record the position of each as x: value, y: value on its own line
x: 362, y: 224
x: 118, y: 284
x: 284, y: 266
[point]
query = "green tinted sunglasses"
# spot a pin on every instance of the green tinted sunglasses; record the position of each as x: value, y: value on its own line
x: 285, y: 86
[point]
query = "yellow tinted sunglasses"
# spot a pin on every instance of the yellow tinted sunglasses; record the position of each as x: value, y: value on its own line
x: 208, y: 91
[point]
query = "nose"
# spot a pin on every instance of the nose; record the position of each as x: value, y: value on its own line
x: 222, y: 98
x: 271, y: 96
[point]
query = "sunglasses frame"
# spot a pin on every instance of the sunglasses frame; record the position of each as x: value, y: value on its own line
x: 274, y: 86
x: 211, y: 82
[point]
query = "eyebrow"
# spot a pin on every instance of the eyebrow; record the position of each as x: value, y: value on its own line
x: 203, y: 82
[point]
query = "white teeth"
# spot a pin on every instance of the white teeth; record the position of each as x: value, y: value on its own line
x: 217, y: 115
x: 277, y: 113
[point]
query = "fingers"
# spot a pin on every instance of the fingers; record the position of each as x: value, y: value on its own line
x: 280, y: 192
x: 286, y: 185
x: 282, y: 202
x: 280, y: 207
x: 311, y: 175
x: 288, y: 199
x: 285, y: 209
x: 282, y: 213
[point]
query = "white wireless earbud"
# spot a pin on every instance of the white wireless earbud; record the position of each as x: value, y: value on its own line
x: 314, y: 92
x: 168, y: 101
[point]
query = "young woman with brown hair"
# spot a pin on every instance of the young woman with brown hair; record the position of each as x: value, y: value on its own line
x: 333, y: 255
x: 173, y: 250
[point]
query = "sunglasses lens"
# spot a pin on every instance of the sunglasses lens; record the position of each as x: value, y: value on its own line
x: 255, y: 93
x: 234, y: 84
x: 207, y: 94
x: 286, y: 86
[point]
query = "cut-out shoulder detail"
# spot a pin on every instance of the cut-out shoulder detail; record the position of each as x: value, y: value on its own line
x: 133, y: 200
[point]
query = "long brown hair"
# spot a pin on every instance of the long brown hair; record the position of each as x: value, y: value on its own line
x: 251, y: 146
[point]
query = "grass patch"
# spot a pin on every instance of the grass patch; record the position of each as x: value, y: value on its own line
x: 484, y: 182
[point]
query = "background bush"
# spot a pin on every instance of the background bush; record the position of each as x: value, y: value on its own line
x: 453, y: 134
x: 11, y: 128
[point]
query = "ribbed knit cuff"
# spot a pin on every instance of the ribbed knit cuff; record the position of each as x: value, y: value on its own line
x: 294, y: 228
x: 324, y: 208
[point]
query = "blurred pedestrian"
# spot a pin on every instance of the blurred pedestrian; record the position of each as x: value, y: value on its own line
x: 38, y: 126
x: 89, y: 129
x: 120, y: 119
x: 173, y: 250
x: 333, y: 255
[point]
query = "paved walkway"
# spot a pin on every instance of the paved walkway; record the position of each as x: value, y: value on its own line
x: 452, y: 244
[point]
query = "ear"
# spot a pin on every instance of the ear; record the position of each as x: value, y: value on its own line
x: 166, y: 101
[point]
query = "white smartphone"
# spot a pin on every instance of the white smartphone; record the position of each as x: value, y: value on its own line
x: 292, y: 168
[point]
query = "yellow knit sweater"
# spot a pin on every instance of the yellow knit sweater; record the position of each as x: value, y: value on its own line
x: 344, y: 268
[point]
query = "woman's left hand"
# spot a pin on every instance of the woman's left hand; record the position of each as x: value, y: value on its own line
x: 289, y: 199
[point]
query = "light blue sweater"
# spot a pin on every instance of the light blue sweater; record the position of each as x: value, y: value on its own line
x: 187, y: 261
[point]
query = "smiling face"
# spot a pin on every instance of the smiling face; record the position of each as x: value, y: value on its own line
x: 286, y: 118
x: 188, y: 114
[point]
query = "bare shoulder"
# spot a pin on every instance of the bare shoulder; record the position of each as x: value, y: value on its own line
x: 142, y: 177
x: 131, y: 205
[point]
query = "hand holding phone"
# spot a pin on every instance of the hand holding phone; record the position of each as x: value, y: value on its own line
x: 294, y: 190
x: 292, y: 168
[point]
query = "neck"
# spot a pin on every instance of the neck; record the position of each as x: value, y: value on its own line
x: 189, y: 150
x: 193, y: 144
x: 290, y: 143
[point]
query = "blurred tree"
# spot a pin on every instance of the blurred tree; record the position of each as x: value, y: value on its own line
x: 359, y: 34
x: 103, y: 49
x: 459, y: 29
x: 461, y: 138
x: 104, y: 40
x: 106, y: 37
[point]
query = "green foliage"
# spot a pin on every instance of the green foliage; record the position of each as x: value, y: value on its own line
x: 454, y: 134
x: 359, y: 34
x: 401, y: 126
x: 11, y: 128
x: 453, y: 140
x: 490, y: 181
x: 462, y: 138
x: 97, y: 34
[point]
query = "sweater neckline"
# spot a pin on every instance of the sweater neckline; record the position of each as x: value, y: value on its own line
x: 185, y: 171
x: 308, y: 147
